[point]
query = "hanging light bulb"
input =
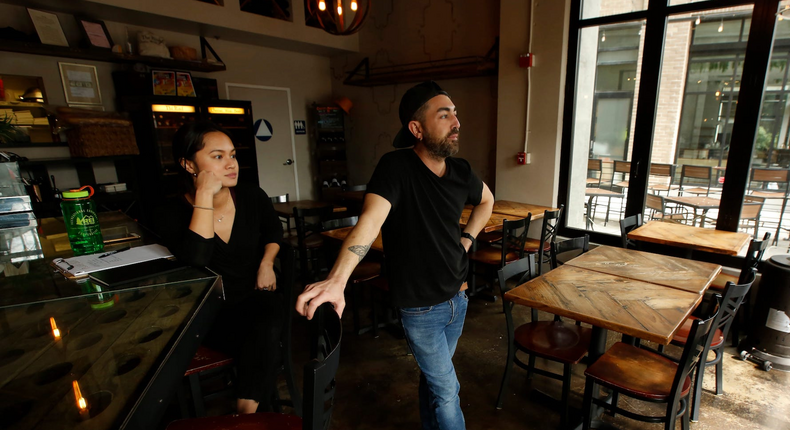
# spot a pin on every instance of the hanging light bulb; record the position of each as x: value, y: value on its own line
x: 322, y: 5
x: 354, y: 5
x: 339, y: 9
x: 603, y: 37
x: 721, y: 26
x: 698, y: 20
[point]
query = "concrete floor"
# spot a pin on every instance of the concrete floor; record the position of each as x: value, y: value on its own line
x: 377, y: 383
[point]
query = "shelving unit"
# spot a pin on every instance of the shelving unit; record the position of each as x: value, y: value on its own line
x: 330, y: 151
x: 108, y: 56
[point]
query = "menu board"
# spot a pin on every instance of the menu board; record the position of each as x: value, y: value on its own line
x: 330, y: 118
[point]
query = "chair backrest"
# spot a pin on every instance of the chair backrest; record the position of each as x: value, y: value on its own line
x: 662, y: 170
x: 511, y: 276
x: 577, y: 243
x: 355, y: 187
x: 319, y: 373
x: 753, y: 256
x: 734, y: 295
x: 626, y: 225
x: 594, y: 170
x: 286, y: 261
x: 751, y: 207
x: 334, y: 224
x: 514, y: 236
x: 701, y: 173
x: 280, y: 199
x: 548, y: 233
x: 622, y: 166
x: 692, y: 353
x: 767, y: 176
x: 655, y: 204
x: 308, y: 222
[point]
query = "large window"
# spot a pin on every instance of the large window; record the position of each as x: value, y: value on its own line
x: 664, y: 93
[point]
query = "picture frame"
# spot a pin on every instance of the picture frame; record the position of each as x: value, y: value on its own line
x: 48, y: 27
x: 164, y: 82
x: 80, y: 83
x: 94, y: 33
x: 184, y: 85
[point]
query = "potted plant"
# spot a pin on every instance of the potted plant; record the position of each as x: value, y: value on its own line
x: 8, y: 131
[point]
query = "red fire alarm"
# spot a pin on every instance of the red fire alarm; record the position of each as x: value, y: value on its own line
x: 521, y: 157
x: 525, y: 60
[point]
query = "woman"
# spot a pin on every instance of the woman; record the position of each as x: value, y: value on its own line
x: 231, y: 228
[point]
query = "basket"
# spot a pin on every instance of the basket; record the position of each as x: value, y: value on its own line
x: 101, y: 137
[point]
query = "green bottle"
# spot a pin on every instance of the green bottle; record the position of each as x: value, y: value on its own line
x: 82, y: 221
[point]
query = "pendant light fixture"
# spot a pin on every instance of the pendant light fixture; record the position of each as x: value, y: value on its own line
x: 333, y: 18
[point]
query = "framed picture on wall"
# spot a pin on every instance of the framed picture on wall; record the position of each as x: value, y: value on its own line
x: 95, y: 33
x: 184, y: 84
x: 48, y: 27
x: 80, y: 83
x: 164, y: 82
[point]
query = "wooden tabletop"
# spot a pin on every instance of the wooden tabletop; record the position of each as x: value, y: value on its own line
x: 635, y: 308
x: 494, y: 223
x: 287, y: 209
x: 697, y: 202
x: 673, y: 272
x: 697, y: 238
x: 601, y: 192
x: 341, y: 233
x: 520, y: 210
x: 356, y: 196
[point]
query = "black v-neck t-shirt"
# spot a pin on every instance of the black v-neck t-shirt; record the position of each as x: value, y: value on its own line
x: 255, y: 225
x: 426, y: 263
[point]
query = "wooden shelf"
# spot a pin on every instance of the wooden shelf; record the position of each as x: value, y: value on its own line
x: 452, y: 68
x: 108, y: 56
x: 72, y: 160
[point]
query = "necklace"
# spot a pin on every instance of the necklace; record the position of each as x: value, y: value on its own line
x: 220, y: 218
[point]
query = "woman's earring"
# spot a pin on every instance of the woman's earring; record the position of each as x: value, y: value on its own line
x: 194, y: 174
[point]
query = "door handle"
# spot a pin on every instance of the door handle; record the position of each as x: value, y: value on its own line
x: 288, y: 162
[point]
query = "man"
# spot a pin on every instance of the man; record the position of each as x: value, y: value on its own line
x: 415, y: 198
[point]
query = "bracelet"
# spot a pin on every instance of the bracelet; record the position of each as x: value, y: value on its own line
x: 203, y: 207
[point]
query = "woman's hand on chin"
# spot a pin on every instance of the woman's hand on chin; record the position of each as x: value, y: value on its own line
x: 207, y: 181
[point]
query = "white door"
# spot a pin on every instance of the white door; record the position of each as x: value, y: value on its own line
x: 274, y: 141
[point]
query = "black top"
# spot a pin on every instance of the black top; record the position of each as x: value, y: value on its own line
x: 256, y: 224
x: 426, y: 263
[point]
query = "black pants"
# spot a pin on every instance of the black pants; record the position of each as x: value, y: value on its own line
x: 249, y: 328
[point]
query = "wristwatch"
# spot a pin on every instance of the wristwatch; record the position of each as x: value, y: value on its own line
x: 468, y: 236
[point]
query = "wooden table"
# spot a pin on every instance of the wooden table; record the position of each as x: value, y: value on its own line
x: 356, y: 196
x: 287, y: 209
x: 341, y: 234
x: 592, y: 193
x: 495, y: 221
x: 703, y: 203
x: 520, y: 210
x: 673, y: 272
x: 692, y: 238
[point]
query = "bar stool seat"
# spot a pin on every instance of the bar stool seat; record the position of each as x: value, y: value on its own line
x: 681, y: 336
x: 637, y: 372
x: 206, y: 359
x: 492, y: 256
x: 554, y: 340
x: 533, y: 246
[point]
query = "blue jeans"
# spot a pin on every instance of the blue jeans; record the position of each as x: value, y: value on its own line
x: 432, y: 333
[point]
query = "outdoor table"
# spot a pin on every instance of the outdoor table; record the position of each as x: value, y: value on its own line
x: 592, y: 193
x: 691, y: 238
x: 703, y: 203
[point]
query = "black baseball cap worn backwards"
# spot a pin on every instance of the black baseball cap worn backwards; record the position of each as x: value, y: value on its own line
x: 411, y: 102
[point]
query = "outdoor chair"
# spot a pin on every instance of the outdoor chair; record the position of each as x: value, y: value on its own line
x: 700, y: 177
x: 767, y: 179
x: 666, y: 175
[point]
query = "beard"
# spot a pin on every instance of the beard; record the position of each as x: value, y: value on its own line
x: 442, y: 147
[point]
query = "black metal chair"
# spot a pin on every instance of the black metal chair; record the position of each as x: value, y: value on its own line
x: 511, y: 248
x: 626, y: 225
x: 734, y: 295
x: 548, y: 233
x: 553, y: 340
x: 319, y: 387
x: 309, y: 242
x: 646, y: 376
x: 285, y: 198
x: 561, y: 247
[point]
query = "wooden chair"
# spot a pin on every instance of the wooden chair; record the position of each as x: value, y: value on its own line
x: 753, y: 257
x: 734, y: 295
x: 319, y: 387
x: 626, y: 225
x: 646, y: 376
x: 514, y: 235
x: 207, y: 362
x: 659, y: 210
x: 594, y: 172
x: 553, y: 340
x: 701, y: 179
x: 765, y: 177
x: 665, y: 173
x: 548, y: 234
x: 308, y: 241
x: 366, y: 270
x: 624, y: 169
x: 750, y: 212
x: 285, y: 220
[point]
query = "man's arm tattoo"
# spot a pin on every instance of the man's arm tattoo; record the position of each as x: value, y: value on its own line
x: 360, y: 250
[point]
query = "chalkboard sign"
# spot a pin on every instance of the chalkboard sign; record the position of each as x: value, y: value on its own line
x: 330, y: 118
